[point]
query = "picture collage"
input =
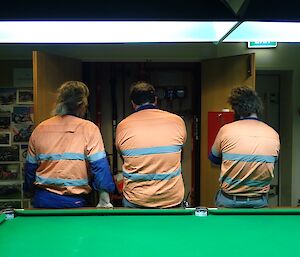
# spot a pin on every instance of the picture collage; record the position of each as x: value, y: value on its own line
x: 16, y: 126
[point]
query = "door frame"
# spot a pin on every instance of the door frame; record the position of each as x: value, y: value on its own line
x: 285, y: 132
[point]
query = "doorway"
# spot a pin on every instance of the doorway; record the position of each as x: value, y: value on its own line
x: 275, y: 88
x: 175, y: 87
x: 189, y: 89
x: 268, y: 88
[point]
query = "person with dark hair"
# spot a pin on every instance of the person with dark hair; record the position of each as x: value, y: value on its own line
x: 66, y: 154
x: 150, y: 142
x: 247, y: 150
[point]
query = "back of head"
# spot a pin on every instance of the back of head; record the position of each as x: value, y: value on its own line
x: 245, y: 101
x: 72, y: 99
x: 142, y: 92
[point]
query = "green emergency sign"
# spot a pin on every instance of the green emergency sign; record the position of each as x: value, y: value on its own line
x: 262, y: 44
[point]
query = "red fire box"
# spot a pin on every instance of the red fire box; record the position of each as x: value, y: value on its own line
x: 215, y: 121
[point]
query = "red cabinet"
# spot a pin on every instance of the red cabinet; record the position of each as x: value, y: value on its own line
x: 215, y: 121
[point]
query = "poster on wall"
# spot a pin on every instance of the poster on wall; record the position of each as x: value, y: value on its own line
x: 22, y: 77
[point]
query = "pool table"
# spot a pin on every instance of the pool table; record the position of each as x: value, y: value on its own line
x: 155, y: 233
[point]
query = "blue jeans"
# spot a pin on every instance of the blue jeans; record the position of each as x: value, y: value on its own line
x: 128, y: 204
x: 223, y: 201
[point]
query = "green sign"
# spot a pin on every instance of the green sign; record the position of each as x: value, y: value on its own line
x: 262, y: 44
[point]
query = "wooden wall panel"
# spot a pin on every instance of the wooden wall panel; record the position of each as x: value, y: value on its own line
x: 49, y: 72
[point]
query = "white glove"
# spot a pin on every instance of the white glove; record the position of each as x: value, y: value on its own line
x: 104, y: 201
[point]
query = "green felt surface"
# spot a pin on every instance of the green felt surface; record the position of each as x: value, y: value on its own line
x: 143, y: 233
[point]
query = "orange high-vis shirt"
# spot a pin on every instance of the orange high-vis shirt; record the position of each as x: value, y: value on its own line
x: 150, y: 142
x: 66, y: 155
x: 249, y: 149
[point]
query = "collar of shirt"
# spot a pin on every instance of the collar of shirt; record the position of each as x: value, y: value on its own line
x: 250, y: 118
x: 146, y: 106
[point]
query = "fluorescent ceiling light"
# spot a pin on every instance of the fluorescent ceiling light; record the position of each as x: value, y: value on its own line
x: 111, y: 31
x: 265, y: 31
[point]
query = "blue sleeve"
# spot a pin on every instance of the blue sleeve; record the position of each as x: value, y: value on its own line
x: 29, y: 179
x: 102, y: 178
x: 214, y: 159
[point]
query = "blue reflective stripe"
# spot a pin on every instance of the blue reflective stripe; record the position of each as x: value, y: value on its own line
x: 149, y: 177
x: 31, y: 159
x: 96, y: 156
x: 152, y: 150
x: 61, y: 182
x: 250, y: 183
x: 249, y: 158
x: 61, y: 156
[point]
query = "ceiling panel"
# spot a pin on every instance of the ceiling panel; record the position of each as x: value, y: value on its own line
x: 270, y: 10
x: 117, y: 10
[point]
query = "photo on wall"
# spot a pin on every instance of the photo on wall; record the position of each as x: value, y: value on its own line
x: 5, y: 138
x: 12, y: 191
x: 24, y: 96
x: 10, y: 204
x: 5, y: 122
x: 9, y: 153
x: 5, y: 116
x: 6, y: 110
x: 22, y: 115
x: 23, y: 152
x: 10, y: 171
x: 8, y: 96
x: 21, y: 132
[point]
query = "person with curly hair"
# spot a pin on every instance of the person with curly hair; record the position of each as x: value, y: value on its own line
x: 247, y: 150
x: 66, y: 156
